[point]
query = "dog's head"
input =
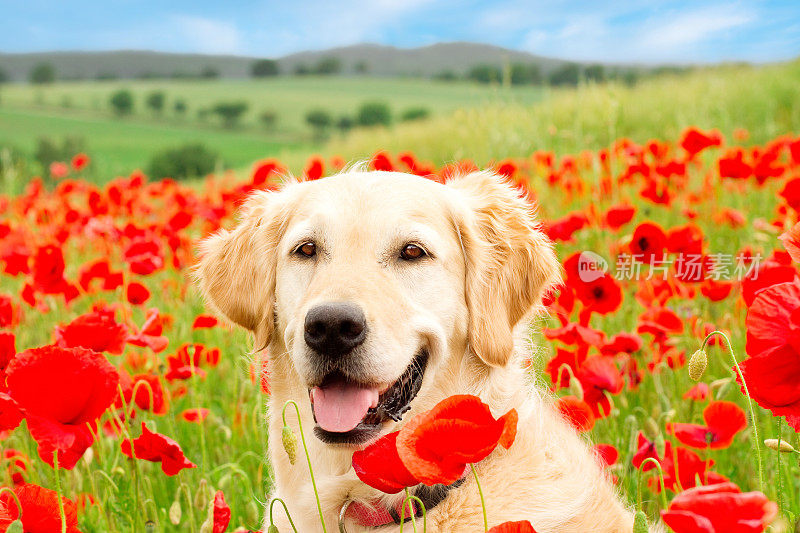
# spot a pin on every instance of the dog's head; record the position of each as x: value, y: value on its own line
x: 370, y: 281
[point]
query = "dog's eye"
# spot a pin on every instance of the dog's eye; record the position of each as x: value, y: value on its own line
x: 411, y: 252
x: 308, y: 249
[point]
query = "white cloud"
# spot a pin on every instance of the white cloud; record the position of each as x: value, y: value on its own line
x: 209, y: 36
x: 688, y: 29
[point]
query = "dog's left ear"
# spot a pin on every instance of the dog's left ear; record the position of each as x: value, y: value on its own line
x: 510, y: 262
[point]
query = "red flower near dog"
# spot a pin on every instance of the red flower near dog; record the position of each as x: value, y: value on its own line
x: 599, y: 377
x: 158, y: 448
x: 619, y: 215
x: 60, y: 391
x: 137, y: 293
x: 717, y: 508
x: 576, y: 412
x: 437, y: 446
x: 723, y: 421
x: 221, y: 516
x: 40, y: 512
x: 379, y: 466
x: 513, y: 527
x: 98, y: 331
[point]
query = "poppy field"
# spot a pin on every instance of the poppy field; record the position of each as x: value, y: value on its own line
x: 672, y: 343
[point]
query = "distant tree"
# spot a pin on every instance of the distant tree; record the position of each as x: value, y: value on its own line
x: 187, y: 161
x: 595, y: 73
x: 445, y: 75
x: 374, y: 114
x: 230, y: 112
x: 48, y: 150
x: 122, y: 102
x: 302, y: 70
x: 209, y: 73
x: 268, y: 119
x: 148, y: 75
x: 264, y: 67
x: 105, y: 75
x: 203, y: 113
x: 345, y: 123
x: 415, y: 113
x: 568, y: 74
x: 525, y: 74
x: 155, y: 101
x: 362, y: 67
x: 42, y: 73
x: 319, y: 120
x: 328, y: 65
x: 485, y: 74
x: 179, y: 107
x: 4, y: 76
x: 630, y: 77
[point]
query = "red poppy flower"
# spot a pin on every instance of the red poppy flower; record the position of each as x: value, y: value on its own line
x: 695, y: 141
x: 143, y: 256
x: 723, y: 421
x: 151, y: 332
x: 719, y: 507
x: 40, y: 510
x: 204, y: 321
x: 48, y: 273
x: 315, y: 169
x: 791, y: 193
x: 645, y: 449
x: 513, y: 527
x: 648, y: 242
x: 716, y: 291
x: 602, y: 296
x: 436, y: 446
x: 195, y: 415
x: 564, y: 228
x: 628, y: 343
x: 10, y: 413
x: 686, y: 240
x: 61, y: 390
x: 8, y: 313
x: 769, y: 273
x: 557, y: 366
x: 99, y: 270
x: 619, y: 215
x: 221, y: 516
x: 137, y: 294
x: 381, y: 161
x: 158, y: 448
x: 574, y: 334
x: 772, y: 372
x: 16, y: 465
x: 682, y: 469
x: 576, y: 412
x: 79, y: 161
x: 97, y: 330
x: 144, y: 384
x: 8, y: 350
x: 733, y: 165
x: 697, y: 393
x: 265, y: 171
x: 379, y: 466
x: 599, y: 376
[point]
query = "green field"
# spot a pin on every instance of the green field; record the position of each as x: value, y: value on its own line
x: 119, y: 145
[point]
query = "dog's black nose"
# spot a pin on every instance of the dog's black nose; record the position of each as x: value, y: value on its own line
x: 335, y: 328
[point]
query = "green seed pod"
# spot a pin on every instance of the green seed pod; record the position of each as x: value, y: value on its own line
x: 698, y: 364
x: 640, y: 522
x: 272, y: 529
x: 201, y: 496
x: 661, y: 445
x: 175, y: 513
x: 15, y: 527
x: 575, y: 388
x: 651, y: 429
x: 289, y: 440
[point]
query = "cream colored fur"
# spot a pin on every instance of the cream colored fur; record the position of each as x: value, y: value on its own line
x: 469, y: 305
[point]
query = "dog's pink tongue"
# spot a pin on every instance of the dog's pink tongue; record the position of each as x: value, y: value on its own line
x: 341, y: 406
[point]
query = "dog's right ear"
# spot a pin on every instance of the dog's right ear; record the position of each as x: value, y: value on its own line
x: 236, y: 269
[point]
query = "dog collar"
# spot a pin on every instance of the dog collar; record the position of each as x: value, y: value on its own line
x: 374, y: 514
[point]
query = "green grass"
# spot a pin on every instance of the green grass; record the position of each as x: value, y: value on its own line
x: 119, y: 145
x: 763, y: 100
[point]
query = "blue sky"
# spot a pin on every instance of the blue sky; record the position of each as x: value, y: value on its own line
x: 642, y: 31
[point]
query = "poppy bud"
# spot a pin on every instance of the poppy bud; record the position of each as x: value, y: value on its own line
x: 651, y: 430
x: 289, y: 440
x: 175, y: 513
x: 698, y: 364
x: 783, y: 446
x: 272, y: 529
x: 719, y: 383
x: 201, y: 496
x: 640, y: 522
x: 15, y: 527
x: 575, y: 388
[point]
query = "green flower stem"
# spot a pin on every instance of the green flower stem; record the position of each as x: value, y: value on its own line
x: 58, y: 494
x: 483, y: 503
x: 660, y: 478
x: 189, y: 502
x: 308, y: 457
x: 778, y: 465
x: 204, y: 453
x: 409, y: 498
x: 286, y: 509
x: 123, y: 426
x: 754, y: 421
x: 16, y: 500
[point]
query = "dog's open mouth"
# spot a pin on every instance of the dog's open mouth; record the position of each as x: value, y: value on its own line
x: 347, y: 412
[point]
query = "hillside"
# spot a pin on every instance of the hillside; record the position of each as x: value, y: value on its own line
x: 377, y: 59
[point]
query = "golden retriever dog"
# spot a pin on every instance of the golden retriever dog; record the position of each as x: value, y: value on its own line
x: 379, y: 294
